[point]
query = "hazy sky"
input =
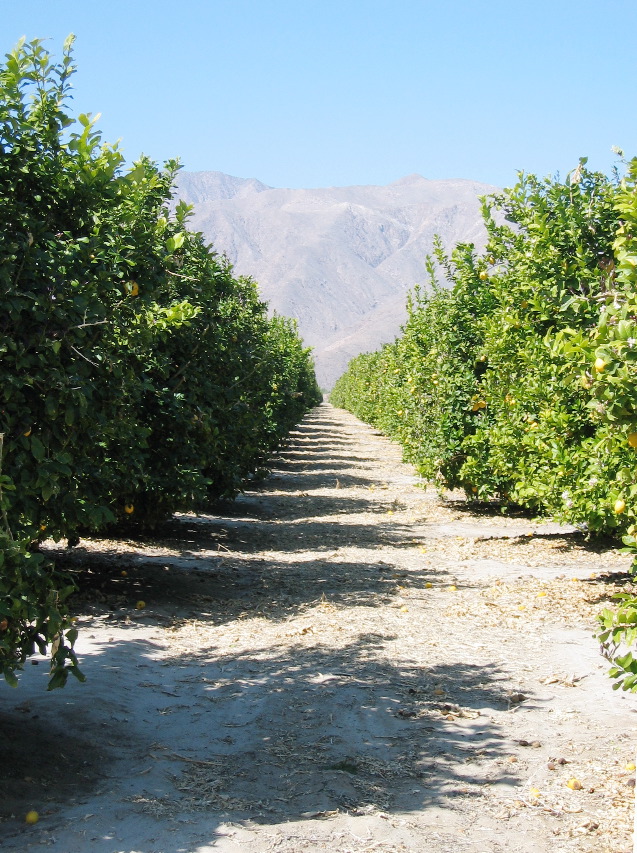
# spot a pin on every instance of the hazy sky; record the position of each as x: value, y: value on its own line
x: 307, y: 93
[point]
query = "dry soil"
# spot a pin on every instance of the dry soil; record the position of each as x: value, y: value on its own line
x: 340, y: 660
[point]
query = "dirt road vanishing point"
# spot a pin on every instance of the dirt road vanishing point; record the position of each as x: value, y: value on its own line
x: 340, y: 662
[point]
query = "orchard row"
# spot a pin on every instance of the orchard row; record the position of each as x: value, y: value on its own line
x: 138, y: 375
x: 518, y: 381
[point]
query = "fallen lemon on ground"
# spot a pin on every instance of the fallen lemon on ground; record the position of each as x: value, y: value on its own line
x: 428, y: 585
x: 453, y: 588
x: 31, y: 817
x: 140, y: 605
x: 574, y: 784
x: 630, y: 765
x: 534, y: 792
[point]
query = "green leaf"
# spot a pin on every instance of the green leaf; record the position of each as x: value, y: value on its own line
x: 58, y: 679
x: 10, y: 677
x: 37, y: 448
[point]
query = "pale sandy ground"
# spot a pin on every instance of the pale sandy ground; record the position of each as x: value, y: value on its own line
x: 339, y: 662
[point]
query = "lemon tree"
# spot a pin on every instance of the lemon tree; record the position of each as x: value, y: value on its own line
x: 519, y: 382
x: 138, y: 374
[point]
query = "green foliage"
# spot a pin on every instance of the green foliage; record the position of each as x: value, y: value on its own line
x: 32, y: 604
x: 33, y: 614
x: 518, y: 383
x: 618, y: 634
x: 423, y: 389
x: 138, y: 376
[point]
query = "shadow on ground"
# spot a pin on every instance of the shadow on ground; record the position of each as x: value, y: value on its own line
x: 276, y: 731
x: 266, y: 735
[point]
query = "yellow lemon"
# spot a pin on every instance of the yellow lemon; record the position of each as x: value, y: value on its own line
x: 600, y: 365
x: 124, y: 573
x: 129, y: 509
x: 619, y: 506
x: 630, y: 765
x: 574, y: 784
x: 140, y: 605
x: 428, y: 585
x: 32, y: 817
x: 632, y: 439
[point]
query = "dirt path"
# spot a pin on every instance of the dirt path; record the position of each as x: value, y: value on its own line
x: 340, y: 663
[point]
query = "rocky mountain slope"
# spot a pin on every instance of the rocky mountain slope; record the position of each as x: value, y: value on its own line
x: 340, y: 259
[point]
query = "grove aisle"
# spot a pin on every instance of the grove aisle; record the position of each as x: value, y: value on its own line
x: 340, y: 661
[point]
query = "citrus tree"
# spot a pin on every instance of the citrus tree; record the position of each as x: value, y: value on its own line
x: 518, y: 382
x: 139, y: 376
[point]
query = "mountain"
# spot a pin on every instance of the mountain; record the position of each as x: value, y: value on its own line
x: 340, y: 259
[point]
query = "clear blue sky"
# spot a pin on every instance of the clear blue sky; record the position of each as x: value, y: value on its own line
x: 307, y: 93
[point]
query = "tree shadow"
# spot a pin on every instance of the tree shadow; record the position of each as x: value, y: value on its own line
x: 330, y: 477
x: 309, y: 458
x: 278, y: 731
x: 41, y: 764
x: 492, y: 509
x: 321, y: 440
x: 570, y: 540
x: 328, y: 465
x: 343, y: 729
x: 267, y: 734
x: 221, y: 588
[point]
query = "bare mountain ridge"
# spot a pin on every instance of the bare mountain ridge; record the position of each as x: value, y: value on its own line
x: 339, y: 259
